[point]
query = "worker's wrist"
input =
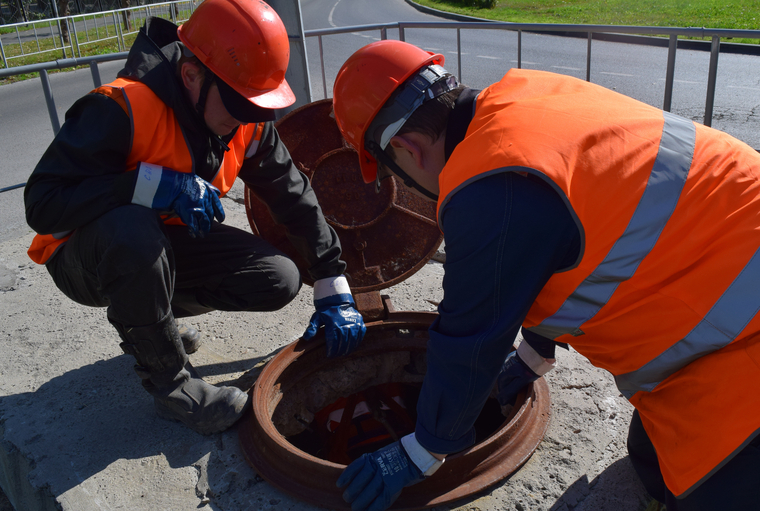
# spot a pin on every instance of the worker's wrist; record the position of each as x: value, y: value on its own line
x: 331, y: 286
x: 533, y: 360
x: 426, y: 461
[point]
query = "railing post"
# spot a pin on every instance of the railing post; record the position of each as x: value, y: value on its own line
x: 120, y: 37
x: 670, y: 72
x: 95, y: 72
x: 711, y: 76
x: 36, y: 37
x: 322, y: 63
x: 519, y: 49
x: 459, y: 54
x: 73, y: 28
x: 60, y: 33
x: 401, y: 35
x: 2, y: 53
x: 588, y: 57
x: 21, y: 46
x: 48, y: 91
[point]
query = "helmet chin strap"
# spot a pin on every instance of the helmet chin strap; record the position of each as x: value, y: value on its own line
x: 383, y: 157
x: 208, y: 81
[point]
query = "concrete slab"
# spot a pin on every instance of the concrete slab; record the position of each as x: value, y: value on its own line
x: 78, y: 433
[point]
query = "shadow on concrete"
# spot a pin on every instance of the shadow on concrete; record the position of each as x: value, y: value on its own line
x: 79, y: 423
x: 617, y: 488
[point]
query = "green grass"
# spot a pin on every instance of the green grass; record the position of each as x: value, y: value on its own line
x: 50, y: 54
x: 736, y: 14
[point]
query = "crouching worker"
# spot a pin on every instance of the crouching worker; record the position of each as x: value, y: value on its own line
x: 126, y: 201
x: 587, y: 218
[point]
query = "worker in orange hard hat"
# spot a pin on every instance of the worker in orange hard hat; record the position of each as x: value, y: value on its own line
x: 126, y: 201
x: 576, y: 216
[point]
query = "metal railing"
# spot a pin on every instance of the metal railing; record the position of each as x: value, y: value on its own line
x: 70, y: 33
x: 672, y: 32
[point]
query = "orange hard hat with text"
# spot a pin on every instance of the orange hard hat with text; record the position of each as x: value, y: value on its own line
x: 364, y: 84
x: 245, y: 44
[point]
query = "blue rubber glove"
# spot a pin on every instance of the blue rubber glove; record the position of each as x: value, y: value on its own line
x: 344, y: 325
x: 374, y: 481
x: 515, y: 375
x: 193, y: 199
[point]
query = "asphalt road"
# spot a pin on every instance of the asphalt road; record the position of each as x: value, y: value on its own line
x: 634, y: 70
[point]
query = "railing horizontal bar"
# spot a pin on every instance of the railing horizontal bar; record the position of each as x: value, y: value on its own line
x: 347, y: 30
x: 61, y: 64
x: 557, y: 27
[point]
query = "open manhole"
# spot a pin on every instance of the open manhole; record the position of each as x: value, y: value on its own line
x: 311, y: 415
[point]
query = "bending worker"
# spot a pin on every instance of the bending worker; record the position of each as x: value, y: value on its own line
x: 587, y: 218
x: 126, y: 201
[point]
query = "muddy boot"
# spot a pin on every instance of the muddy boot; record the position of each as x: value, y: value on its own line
x: 178, y: 394
x: 191, y: 338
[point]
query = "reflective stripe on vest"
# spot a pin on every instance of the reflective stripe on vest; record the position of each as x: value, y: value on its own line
x: 719, y: 328
x: 655, y: 207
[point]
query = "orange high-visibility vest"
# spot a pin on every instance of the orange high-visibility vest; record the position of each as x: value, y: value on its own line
x: 157, y: 138
x: 666, y: 290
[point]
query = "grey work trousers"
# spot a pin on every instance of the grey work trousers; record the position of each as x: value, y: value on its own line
x: 141, y: 269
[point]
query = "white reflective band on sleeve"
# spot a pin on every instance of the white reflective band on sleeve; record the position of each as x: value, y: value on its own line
x: 148, y: 178
x: 426, y: 462
x: 331, y: 286
x: 532, y: 359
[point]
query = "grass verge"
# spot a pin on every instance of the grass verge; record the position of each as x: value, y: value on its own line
x: 733, y: 14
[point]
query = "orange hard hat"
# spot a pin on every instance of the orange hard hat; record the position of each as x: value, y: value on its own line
x: 364, y: 85
x: 245, y: 44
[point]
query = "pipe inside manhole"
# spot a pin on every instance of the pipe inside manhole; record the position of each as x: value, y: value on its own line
x: 286, y: 438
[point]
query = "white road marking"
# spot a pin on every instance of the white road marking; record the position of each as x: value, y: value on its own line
x: 614, y: 74
x: 330, y: 16
x: 681, y: 81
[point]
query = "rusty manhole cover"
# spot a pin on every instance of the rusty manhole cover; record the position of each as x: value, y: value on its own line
x: 386, y: 237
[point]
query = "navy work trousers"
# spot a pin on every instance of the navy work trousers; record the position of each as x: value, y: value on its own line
x: 734, y: 487
x: 141, y: 269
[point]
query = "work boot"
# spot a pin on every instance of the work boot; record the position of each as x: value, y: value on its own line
x: 178, y: 393
x: 191, y: 338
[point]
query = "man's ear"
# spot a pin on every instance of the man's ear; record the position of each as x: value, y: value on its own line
x: 192, y: 77
x: 405, y: 147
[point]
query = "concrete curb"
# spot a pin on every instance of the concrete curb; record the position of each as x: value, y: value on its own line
x: 685, y: 44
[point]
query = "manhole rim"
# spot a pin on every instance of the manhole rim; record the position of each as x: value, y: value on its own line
x: 266, y: 449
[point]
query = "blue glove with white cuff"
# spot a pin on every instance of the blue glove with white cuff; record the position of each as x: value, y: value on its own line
x: 344, y: 325
x: 193, y: 199
x: 515, y: 375
x: 374, y: 481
